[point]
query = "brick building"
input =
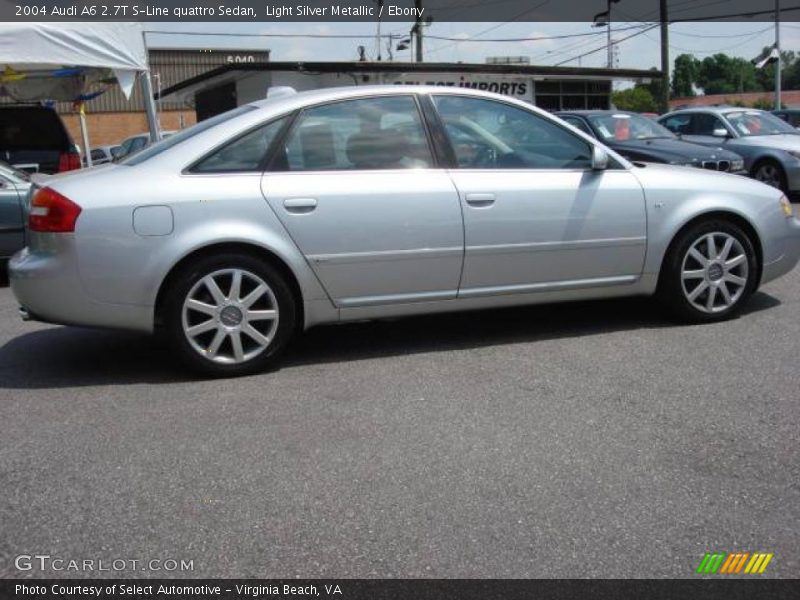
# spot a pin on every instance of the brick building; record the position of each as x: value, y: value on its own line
x: 790, y: 98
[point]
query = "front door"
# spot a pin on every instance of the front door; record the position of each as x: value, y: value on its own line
x: 536, y: 216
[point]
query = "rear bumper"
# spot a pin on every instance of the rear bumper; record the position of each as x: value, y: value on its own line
x: 48, y: 288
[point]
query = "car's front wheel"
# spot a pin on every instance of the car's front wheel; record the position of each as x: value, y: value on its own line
x: 709, y: 272
x: 229, y: 315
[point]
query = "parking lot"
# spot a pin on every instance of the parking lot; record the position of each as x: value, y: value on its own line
x: 591, y: 439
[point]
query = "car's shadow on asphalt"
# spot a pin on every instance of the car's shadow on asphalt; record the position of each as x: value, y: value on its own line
x: 64, y: 357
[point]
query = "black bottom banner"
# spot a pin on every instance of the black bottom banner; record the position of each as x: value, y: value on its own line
x: 398, y: 589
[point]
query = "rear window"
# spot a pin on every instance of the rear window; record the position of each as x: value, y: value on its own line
x: 32, y: 129
x: 174, y: 140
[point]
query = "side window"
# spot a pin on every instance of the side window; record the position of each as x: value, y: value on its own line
x: 486, y: 134
x: 365, y: 134
x: 98, y: 155
x: 244, y: 154
x: 678, y: 124
x: 579, y: 123
x: 705, y: 124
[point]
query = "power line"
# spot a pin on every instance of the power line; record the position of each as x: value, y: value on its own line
x: 515, y: 18
x: 604, y: 45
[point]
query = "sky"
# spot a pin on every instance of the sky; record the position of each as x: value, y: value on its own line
x: 744, y: 39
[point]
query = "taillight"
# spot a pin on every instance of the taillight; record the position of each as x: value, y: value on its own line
x: 69, y: 161
x: 50, y: 211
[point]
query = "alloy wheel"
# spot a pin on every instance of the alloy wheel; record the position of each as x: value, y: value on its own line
x: 769, y: 174
x: 714, y: 272
x: 230, y: 316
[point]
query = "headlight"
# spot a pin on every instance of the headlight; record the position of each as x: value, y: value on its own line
x: 737, y: 165
x: 786, y: 206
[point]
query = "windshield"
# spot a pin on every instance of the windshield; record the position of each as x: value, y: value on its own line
x: 171, y: 140
x: 622, y: 127
x: 754, y: 122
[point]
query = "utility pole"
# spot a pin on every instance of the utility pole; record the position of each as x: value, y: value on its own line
x: 778, y: 48
x: 610, y: 58
x: 664, y: 100
x: 378, y: 33
x: 418, y: 29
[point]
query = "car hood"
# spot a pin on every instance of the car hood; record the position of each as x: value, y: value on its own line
x: 675, y: 178
x: 671, y: 150
x: 785, y: 141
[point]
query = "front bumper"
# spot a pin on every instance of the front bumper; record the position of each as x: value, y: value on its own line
x: 48, y: 288
x: 791, y: 255
x: 793, y: 176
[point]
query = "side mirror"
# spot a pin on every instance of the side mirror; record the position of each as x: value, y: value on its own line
x: 599, y: 159
x: 720, y: 132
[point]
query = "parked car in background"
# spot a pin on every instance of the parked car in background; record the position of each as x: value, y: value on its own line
x: 790, y: 115
x: 106, y: 154
x: 34, y: 139
x: 639, y: 138
x: 382, y: 201
x: 14, y: 187
x: 137, y: 142
x: 770, y: 147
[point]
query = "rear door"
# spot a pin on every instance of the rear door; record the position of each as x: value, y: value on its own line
x: 357, y: 188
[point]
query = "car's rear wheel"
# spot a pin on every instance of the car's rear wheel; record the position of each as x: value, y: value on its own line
x: 229, y: 315
x: 771, y: 173
x: 710, y: 271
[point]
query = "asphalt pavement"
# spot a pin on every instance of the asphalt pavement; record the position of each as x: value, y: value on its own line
x: 582, y: 440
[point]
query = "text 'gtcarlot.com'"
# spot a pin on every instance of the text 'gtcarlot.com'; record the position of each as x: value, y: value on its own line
x: 45, y: 562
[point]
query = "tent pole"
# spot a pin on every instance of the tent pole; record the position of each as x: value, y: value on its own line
x: 85, y: 134
x: 149, y: 106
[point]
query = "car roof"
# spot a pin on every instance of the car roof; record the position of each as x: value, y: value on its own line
x: 320, y: 96
x: 597, y: 112
x: 717, y: 110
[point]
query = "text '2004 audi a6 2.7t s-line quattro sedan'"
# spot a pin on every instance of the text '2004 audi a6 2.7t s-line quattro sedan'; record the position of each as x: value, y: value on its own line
x: 372, y: 202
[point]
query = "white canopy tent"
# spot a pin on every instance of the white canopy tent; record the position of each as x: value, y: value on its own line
x: 61, y: 61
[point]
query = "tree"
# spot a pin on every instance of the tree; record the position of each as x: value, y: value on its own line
x: 722, y: 74
x: 637, y: 99
x: 684, y: 75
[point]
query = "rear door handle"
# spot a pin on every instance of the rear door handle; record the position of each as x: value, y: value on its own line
x: 480, y: 200
x: 300, y: 205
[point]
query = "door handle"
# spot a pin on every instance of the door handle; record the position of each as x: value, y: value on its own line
x: 300, y: 205
x: 480, y: 200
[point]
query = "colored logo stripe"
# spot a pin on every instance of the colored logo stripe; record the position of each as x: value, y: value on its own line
x: 732, y: 563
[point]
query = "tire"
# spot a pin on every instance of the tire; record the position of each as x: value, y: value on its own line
x: 770, y: 172
x: 696, y: 291
x: 221, y: 333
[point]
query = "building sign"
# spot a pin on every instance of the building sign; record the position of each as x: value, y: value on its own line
x: 516, y: 87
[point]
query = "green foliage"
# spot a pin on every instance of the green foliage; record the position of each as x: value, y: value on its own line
x: 684, y: 75
x: 638, y: 99
x: 723, y: 74
x: 764, y: 104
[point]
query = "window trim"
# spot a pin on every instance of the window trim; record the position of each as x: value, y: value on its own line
x: 270, y: 166
x: 614, y: 165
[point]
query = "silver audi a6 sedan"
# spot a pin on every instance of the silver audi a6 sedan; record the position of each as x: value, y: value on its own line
x: 372, y: 202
